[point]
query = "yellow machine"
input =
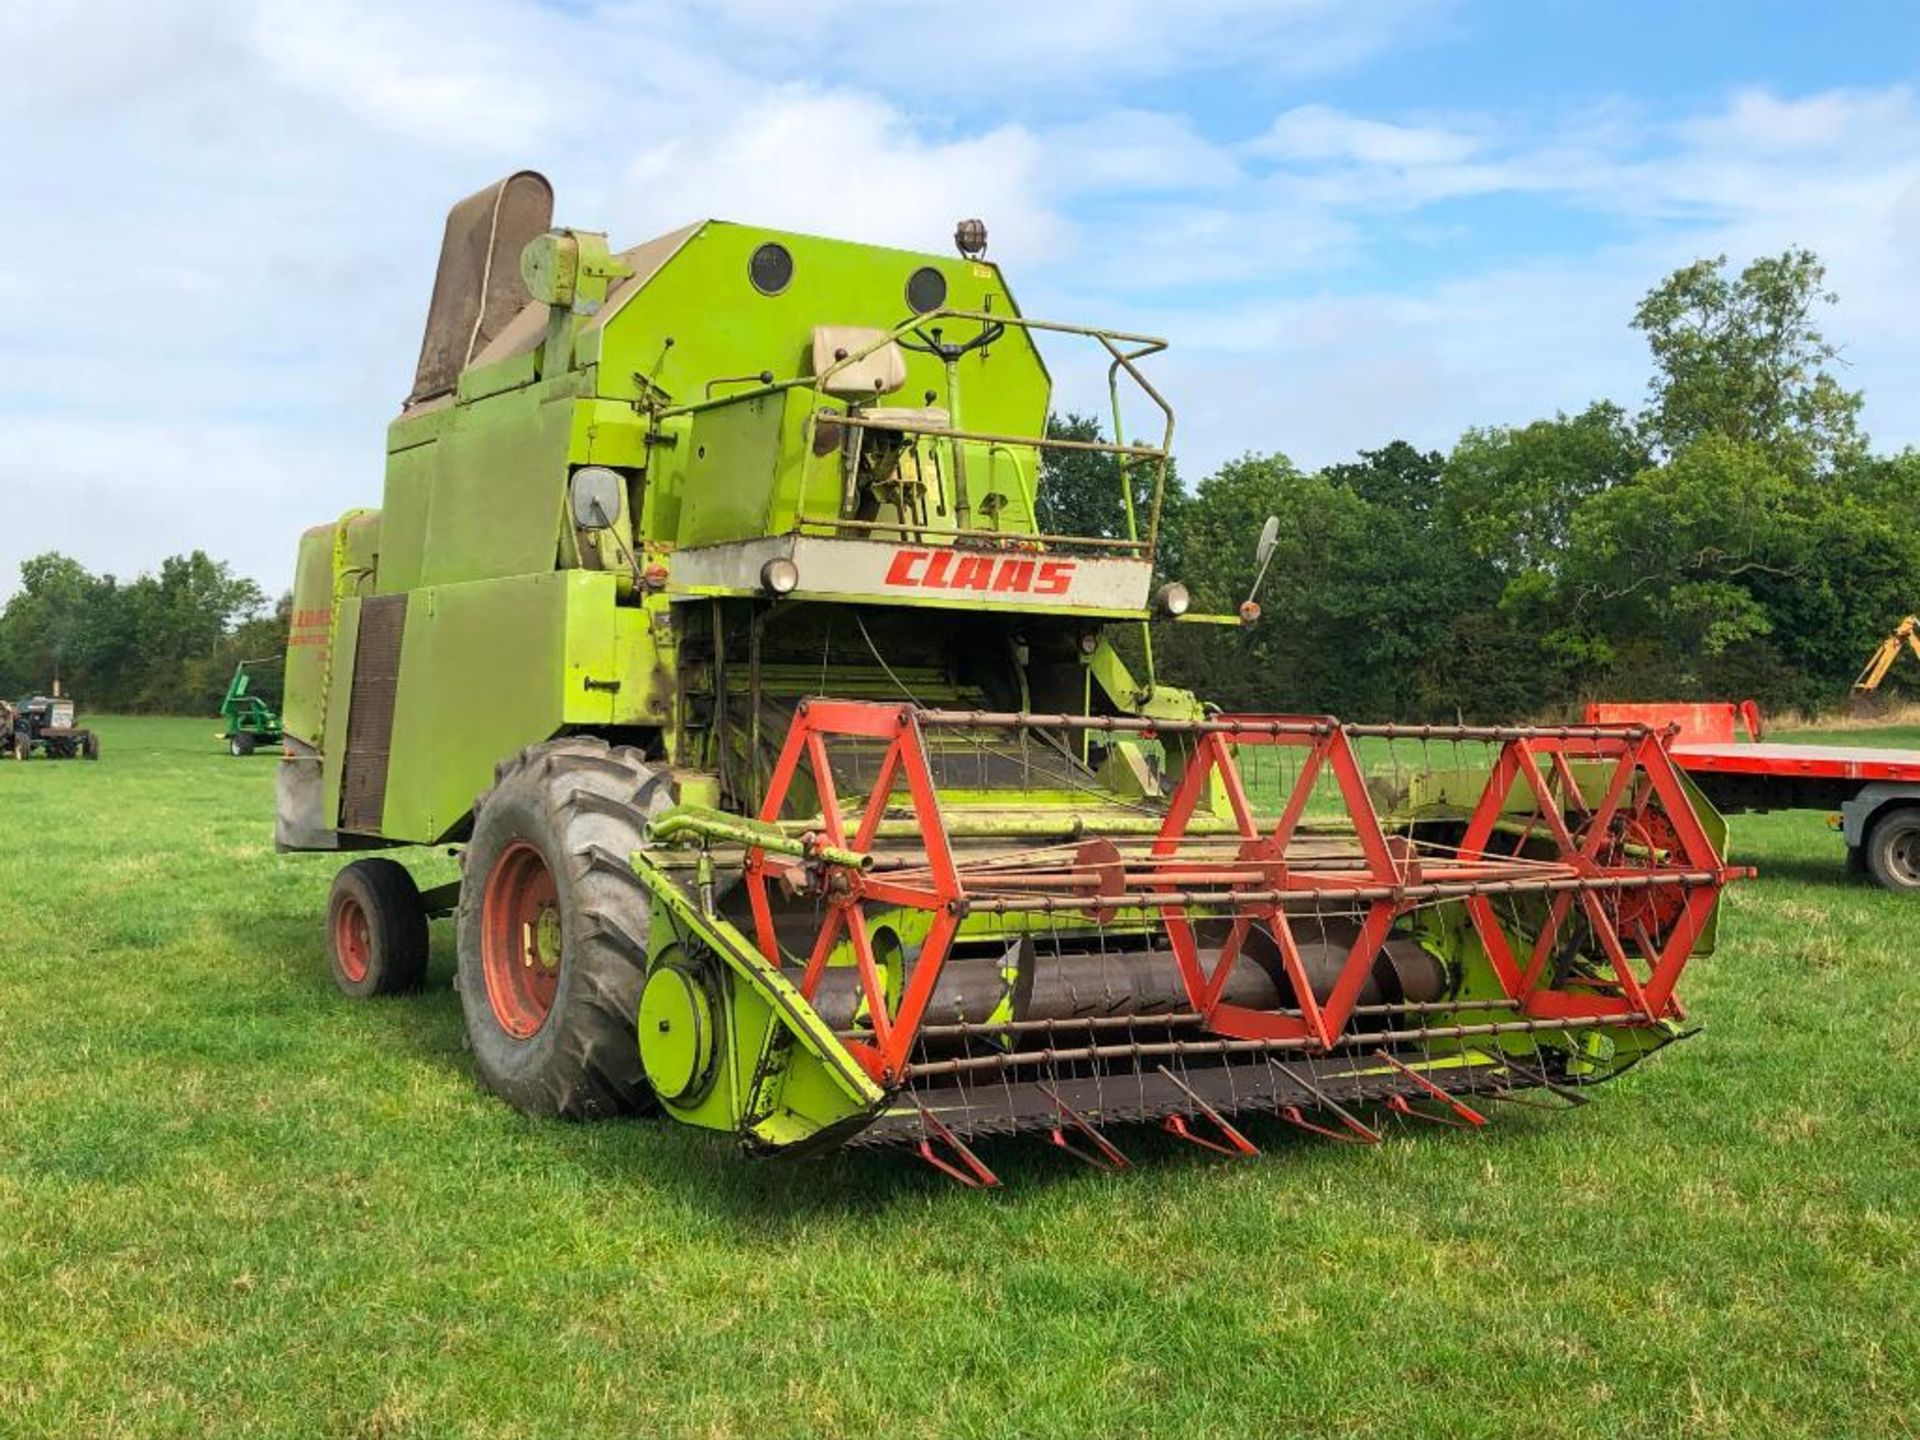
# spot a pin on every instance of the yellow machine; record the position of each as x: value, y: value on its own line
x: 1907, y: 632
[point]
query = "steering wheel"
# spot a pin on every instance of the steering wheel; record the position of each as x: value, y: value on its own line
x: 932, y: 344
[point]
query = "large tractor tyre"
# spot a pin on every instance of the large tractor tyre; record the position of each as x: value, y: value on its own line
x: 1893, y: 849
x: 240, y: 745
x: 376, y: 930
x: 553, y: 929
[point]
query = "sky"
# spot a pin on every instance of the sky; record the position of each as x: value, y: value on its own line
x: 1355, y: 220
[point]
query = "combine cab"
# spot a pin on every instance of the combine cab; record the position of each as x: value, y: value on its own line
x: 805, y: 795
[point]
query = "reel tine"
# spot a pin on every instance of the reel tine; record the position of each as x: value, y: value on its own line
x: 1296, y: 1117
x: 1105, y: 1155
x: 1400, y: 1105
x: 966, y: 1168
x: 1231, y: 1141
x: 1470, y: 1119
x: 1359, y: 1132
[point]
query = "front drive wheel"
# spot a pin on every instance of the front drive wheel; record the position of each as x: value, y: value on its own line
x: 553, y: 929
x: 376, y: 929
x: 240, y: 745
x: 1893, y: 849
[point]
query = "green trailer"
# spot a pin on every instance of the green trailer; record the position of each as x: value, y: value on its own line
x: 247, y: 718
x: 811, y: 789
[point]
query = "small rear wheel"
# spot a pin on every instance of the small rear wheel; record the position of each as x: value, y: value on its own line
x: 1893, y: 849
x: 240, y: 745
x: 376, y: 929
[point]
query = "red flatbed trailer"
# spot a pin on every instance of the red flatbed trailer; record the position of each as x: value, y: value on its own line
x: 1873, y: 792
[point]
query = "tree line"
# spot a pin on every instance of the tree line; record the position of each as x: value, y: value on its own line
x: 1736, y: 537
x: 163, y: 643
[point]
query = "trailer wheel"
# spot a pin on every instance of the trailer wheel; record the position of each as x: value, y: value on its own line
x: 376, y: 929
x: 240, y: 745
x: 553, y: 927
x: 1893, y: 849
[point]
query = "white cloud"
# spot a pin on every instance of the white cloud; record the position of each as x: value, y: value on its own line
x: 842, y: 164
x: 1519, y: 337
x: 476, y: 77
x: 989, y: 52
x: 1320, y: 132
x: 1759, y: 122
x: 1130, y: 152
x: 222, y: 219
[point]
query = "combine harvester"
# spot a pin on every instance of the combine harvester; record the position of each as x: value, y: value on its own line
x: 800, y: 786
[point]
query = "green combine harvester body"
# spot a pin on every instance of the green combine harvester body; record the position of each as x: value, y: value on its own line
x: 711, y: 608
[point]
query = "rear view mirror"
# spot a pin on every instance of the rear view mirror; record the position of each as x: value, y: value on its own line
x: 594, y: 495
x: 1262, y: 553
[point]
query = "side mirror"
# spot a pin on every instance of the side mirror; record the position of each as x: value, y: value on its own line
x: 1262, y: 553
x: 594, y: 496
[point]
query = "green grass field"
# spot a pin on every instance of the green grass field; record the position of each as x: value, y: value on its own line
x: 233, y: 1202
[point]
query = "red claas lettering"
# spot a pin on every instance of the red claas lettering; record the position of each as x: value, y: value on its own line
x: 901, y: 572
x: 1055, y: 576
x: 1006, y: 575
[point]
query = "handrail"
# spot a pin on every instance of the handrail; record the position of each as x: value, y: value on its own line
x: 1126, y: 349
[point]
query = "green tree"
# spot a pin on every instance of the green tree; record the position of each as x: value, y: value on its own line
x: 1399, y: 476
x: 54, y: 626
x: 1365, y: 598
x: 1721, y: 574
x: 1080, y: 491
x: 1742, y: 356
x: 1513, y: 490
x: 163, y: 642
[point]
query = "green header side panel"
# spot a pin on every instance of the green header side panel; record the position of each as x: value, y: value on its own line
x: 499, y: 477
x: 308, y: 651
x: 492, y: 666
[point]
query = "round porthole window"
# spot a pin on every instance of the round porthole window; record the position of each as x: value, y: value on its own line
x: 926, y: 290
x: 771, y: 268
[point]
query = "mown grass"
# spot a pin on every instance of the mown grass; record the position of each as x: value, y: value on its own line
x: 232, y: 1202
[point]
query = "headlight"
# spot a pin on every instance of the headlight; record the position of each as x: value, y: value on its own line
x: 779, y: 575
x: 1172, y: 599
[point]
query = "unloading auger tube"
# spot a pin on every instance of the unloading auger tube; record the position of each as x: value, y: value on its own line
x: 890, y: 968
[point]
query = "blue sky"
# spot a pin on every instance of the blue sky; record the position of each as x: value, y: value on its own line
x: 1354, y: 221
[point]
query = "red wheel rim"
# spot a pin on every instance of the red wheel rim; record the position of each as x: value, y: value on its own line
x: 1647, y: 914
x: 520, y: 940
x: 352, y: 939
